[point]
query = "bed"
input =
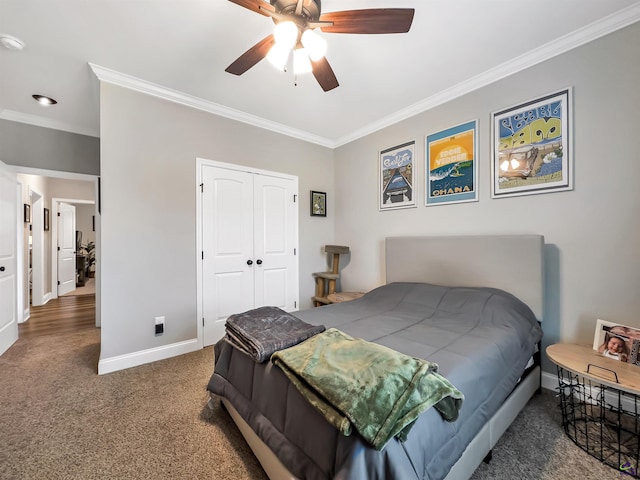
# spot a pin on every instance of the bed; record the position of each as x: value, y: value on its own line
x: 435, y: 286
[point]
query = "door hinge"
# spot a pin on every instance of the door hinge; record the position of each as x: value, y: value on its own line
x: 58, y: 282
x: 58, y: 248
x: 58, y: 213
x: 201, y: 187
x: 203, y: 321
x: 295, y: 304
x: 295, y: 251
x: 203, y: 255
x: 295, y: 198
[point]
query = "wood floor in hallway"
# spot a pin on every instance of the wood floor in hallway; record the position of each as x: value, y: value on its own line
x: 61, y: 315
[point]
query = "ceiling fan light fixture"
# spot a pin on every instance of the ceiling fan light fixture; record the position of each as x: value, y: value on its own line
x: 301, y: 62
x: 278, y: 56
x: 315, y: 45
x: 286, y: 34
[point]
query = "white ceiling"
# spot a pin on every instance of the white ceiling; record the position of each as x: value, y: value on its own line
x: 183, y: 46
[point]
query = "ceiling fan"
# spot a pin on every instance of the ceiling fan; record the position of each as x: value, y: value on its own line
x: 295, y: 23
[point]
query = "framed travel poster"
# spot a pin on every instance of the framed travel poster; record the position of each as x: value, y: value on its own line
x: 532, y: 147
x: 396, y: 177
x: 451, y: 165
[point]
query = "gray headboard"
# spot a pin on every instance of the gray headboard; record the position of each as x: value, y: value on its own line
x: 514, y: 263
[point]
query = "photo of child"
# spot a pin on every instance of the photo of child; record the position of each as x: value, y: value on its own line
x: 615, y: 347
x: 618, y: 342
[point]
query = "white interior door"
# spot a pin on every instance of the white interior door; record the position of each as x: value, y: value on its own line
x: 8, y: 235
x: 66, y: 248
x: 276, y: 242
x: 227, y: 243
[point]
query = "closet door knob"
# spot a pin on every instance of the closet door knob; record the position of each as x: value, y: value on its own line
x: 1, y: 269
x: 259, y: 262
x: 249, y: 262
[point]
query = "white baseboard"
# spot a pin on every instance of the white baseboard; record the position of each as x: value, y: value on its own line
x: 549, y: 381
x: 121, y: 362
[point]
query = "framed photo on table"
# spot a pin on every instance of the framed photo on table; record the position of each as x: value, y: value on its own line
x: 616, y: 341
x: 451, y: 165
x: 396, y: 177
x: 532, y: 151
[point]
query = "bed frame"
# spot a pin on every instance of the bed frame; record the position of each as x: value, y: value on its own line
x: 513, y: 263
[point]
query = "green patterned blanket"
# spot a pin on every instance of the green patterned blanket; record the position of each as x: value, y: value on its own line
x: 364, y: 386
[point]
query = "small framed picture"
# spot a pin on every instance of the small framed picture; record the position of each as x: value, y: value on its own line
x: 318, y: 204
x: 46, y: 219
x: 27, y: 213
x: 618, y: 342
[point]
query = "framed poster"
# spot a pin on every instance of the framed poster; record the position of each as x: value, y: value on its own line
x: 451, y: 165
x: 396, y: 177
x: 532, y: 147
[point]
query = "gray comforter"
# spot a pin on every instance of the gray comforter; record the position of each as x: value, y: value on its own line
x: 480, y: 338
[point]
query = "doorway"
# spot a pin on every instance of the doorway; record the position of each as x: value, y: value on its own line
x: 43, y: 190
x: 83, y: 234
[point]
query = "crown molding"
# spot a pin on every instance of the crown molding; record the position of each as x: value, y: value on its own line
x: 572, y: 40
x: 127, y: 81
x: 38, y: 121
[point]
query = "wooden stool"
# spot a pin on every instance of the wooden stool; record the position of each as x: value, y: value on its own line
x: 326, y: 281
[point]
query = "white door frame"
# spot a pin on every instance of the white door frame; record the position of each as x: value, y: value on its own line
x: 23, y: 315
x: 200, y: 162
x: 37, y: 248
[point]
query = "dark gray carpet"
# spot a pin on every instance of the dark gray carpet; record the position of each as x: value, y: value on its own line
x: 60, y: 420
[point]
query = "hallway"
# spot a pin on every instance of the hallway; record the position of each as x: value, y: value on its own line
x: 61, y: 315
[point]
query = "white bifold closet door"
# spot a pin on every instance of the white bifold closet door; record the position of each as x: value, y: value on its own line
x: 249, y: 244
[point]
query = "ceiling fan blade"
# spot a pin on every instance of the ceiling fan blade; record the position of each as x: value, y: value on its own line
x: 252, y: 56
x: 374, y: 20
x: 258, y: 6
x: 324, y: 74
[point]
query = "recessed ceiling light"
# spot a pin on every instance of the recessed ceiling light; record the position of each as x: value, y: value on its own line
x: 10, y: 42
x: 43, y: 100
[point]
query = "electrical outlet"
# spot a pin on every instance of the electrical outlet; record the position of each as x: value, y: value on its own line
x: 159, y: 326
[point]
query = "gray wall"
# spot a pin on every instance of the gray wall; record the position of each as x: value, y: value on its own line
x: 45, y: 148
x: 148, y: 217
x: 593, y: 232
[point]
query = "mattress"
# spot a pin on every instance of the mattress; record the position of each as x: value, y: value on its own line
x: 481, y: 339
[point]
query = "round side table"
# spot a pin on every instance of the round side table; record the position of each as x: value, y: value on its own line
x: 600, y: 404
